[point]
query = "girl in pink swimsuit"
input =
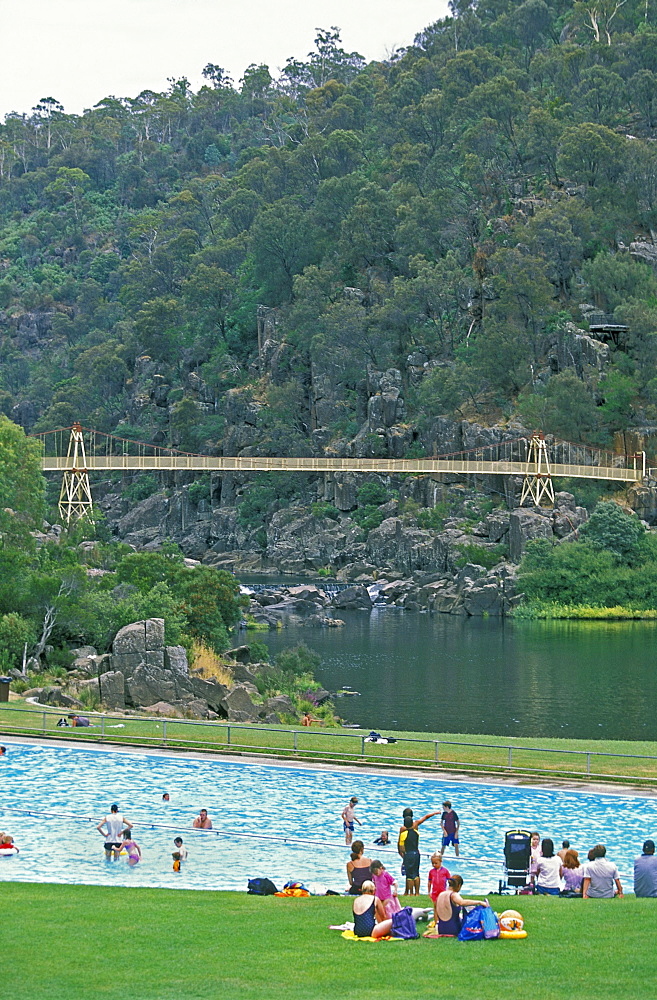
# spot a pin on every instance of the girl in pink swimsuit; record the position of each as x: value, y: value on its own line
x: 132, y: 847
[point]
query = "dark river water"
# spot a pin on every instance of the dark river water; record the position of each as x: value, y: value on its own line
x: 442, y: 673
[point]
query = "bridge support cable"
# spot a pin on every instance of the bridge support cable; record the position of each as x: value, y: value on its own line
x: 538, y: 477
x: 75, y: 500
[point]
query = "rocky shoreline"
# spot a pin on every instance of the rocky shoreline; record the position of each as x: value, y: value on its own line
x: 142, y: 674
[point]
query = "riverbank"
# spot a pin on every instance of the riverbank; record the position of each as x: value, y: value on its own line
x: 515, y: 758
x: 168, y: 947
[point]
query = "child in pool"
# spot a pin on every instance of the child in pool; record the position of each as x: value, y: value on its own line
x: 132, y: 847
x: 386, y: 888
x: 182, y: 851
x: 180, y: 854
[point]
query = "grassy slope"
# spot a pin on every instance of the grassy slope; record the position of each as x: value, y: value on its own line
x: 346, y: 747
x: 74, y: 942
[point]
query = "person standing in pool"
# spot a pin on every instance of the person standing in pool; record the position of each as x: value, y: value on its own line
x: 348, y: 818
x: 202, y: 821
x: 409, y: 848
x: 132, y: 847
x: 450, y: 823
x: 116, y: 823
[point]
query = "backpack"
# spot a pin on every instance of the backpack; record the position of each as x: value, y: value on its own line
x: 472, y: 928
x: 260, y: 887
x: 491, y: 923
x: 403, y: 924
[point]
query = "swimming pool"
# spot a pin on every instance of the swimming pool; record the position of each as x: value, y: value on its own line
x: 276, y: 821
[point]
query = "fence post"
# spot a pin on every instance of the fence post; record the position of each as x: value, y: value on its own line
x: 164, y: 731
x: 227, y: 736
x: 588, y: 763
x: 44, y: 723
x: 362, y: 746
x: 510, y: 756
x: 437, y: 752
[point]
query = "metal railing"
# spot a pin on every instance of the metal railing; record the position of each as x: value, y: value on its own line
x: 314, y: 744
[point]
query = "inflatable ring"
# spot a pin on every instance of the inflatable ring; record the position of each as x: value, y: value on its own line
x: 513, y: 934
x: 8, y: 852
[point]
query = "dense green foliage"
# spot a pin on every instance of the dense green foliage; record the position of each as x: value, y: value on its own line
x: 474, y: 188
x: 614, y: 565
x: 53, y: 595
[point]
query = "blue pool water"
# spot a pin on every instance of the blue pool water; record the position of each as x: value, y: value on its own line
x: 281, y: 822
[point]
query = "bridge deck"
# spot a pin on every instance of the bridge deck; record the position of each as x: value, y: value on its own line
x: 209, y: 463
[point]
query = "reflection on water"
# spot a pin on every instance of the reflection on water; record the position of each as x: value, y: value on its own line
x: 438, y: 672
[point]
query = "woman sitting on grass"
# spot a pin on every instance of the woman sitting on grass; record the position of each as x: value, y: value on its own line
x: 369, y: 914
x: 548, y: 870
x: 572, y: 874
x: 358, y: 869
x: 448, y: 907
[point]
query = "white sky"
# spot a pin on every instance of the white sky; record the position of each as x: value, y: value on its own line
x: 79, y: 51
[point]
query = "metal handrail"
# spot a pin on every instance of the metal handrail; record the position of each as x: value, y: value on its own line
x: 166, y: 738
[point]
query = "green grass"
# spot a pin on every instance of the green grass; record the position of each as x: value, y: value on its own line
x: 344, y: 746
x: 76, y: 942
x: 550, y: 610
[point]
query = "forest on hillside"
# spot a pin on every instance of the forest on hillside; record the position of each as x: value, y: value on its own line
x: 454, y: 212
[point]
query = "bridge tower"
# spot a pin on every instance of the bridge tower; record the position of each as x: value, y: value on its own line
x: 75, y: 496
x: 538, y: 478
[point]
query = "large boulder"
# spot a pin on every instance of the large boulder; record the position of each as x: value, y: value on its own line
x: 352, y: 598
x: 406, y: 549
x: 243, y: 674
x: 175, y: 658
x: 112, y: 690
x: 238, y: 705
x: 137, y: 644
x: 210, y: 691
x: 524, y: 525
x: 164, y: 708
x: 140, y: 637
x: 242, y: 654
x: 280, y: 704
x: 483, y: 597
x: 148, y: 684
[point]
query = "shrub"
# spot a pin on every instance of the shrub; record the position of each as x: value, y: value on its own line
x: 373, y: 494
x: 324, y: 510
x: 480, y: 556
x: 368, y: 517
x: 199, y: 490
x: 143, y: 487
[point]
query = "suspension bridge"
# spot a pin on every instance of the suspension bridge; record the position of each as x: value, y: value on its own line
x: 76, y: 451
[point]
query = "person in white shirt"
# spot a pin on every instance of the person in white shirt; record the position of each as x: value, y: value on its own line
x: 548, y: 870
x: 115, y: 823
x: 600, y: 876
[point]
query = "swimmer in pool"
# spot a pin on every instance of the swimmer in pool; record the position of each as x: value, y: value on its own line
x: 132, y: 847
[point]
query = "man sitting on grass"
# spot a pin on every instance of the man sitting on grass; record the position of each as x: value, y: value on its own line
x: 600, y: 876
x: 645, y: 871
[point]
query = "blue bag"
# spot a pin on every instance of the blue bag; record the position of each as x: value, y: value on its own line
x: 491, y: 923
x: 472, y: 928
x: 403, y: 924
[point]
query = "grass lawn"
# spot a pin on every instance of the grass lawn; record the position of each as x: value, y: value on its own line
x: 346, y: 746
x: 72, y: 942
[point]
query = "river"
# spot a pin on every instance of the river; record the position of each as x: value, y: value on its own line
x: 443, y: 673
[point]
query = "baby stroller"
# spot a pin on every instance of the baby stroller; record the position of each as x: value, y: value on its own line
x: 517, y: 857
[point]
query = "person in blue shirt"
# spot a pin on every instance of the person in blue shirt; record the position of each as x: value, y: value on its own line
x: 645, y: 871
